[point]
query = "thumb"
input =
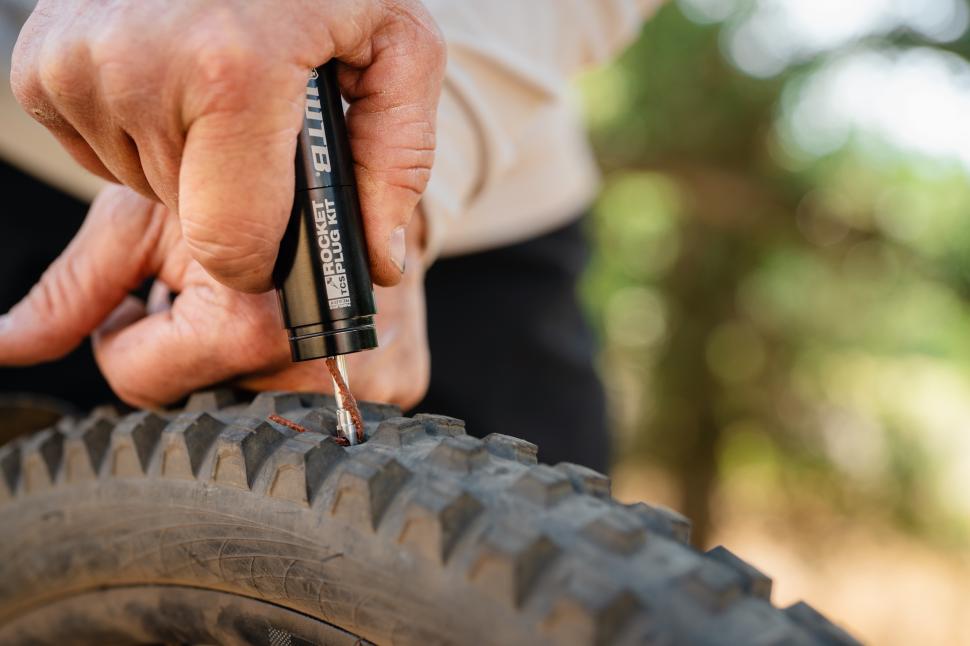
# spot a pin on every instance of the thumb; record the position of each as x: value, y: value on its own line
x: 108, y: 258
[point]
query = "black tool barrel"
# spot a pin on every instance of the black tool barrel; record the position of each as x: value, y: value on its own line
x: 322, y: 273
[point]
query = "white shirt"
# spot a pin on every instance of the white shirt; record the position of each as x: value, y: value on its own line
x: 512, y: 159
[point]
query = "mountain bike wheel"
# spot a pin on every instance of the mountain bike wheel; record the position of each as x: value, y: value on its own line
x: 215, y: 524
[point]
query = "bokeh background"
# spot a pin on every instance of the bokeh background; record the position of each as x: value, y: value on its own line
x: 782, y: 287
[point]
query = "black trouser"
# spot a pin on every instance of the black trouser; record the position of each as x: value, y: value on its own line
x: 511, y: 352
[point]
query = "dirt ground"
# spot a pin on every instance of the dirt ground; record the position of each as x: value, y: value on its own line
x: 884, y: 586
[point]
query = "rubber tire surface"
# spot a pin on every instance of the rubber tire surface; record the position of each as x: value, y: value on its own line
x: 421, y: 535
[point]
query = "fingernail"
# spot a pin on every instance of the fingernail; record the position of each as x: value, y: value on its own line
x: 4, y: 323
x: 398, y: 248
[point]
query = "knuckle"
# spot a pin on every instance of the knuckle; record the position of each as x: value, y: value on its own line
x: 60, y: 288
x: 29, y: 92
x: 127, y: 73
x: 26, y: 85
x: 223, y: 62
x: 121, y: 68
x: 55, y: 74
x: 123, y: 35
x: 63, y: 69
x: 46, y: 295
x: 410, y: 181
x: 223, y: 59
x: 113, y: 46
x: 53, y: 299
x: 409, y: 177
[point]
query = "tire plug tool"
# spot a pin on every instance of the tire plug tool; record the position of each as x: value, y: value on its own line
x: 322, y: 274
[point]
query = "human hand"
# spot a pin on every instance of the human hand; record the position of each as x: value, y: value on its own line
x: 155, y: 353
x: 198, y: 104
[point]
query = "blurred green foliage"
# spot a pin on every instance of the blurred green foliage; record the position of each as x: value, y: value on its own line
x: 794, y: 316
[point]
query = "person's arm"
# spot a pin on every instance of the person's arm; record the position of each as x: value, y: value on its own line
x: 197, y: 105
x: 507, y: 61
x: 155, y: 352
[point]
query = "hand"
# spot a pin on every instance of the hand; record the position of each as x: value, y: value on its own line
x: 198, y: 103
x: 156, y: 353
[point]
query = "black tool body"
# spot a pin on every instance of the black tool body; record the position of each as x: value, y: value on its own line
x: 322, y: 274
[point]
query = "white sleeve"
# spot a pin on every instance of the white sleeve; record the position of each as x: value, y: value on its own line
x: 507, y: 61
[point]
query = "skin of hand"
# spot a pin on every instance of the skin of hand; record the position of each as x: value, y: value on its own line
x: 197, y: 104
x: 154, y: 353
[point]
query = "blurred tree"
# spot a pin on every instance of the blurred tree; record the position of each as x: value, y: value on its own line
x: 772, y: 268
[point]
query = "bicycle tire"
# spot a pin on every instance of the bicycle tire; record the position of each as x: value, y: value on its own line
x: 214, y: 524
